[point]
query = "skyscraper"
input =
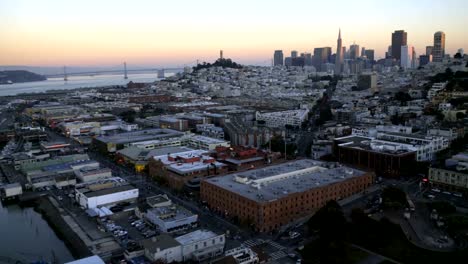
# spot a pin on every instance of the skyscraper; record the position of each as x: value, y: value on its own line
x: 354, y: 51
x: 399, y: 38
x: 278, y: 58
x: 321, y: 56
x: 429, y: 50
x: 438, y: 52
x: 388, y: 54
x: 406, y: 60
x: 369, y: 53
x: 339, y: 55
x: 363, y: 51
x: 294, y: 54
x: 307, y: 58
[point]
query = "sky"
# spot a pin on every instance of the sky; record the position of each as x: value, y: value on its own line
x: 179, y: 32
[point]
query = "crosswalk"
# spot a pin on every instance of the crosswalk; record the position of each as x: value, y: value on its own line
x: 253, y: 242
x: 276, y: 245
x: 278, y: 255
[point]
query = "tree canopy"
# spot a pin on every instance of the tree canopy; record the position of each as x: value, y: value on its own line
x: 225, y: 63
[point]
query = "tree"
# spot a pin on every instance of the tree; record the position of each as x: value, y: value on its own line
x: 128, y: 116
x: 458, y: 55
x: 332, y: 226
x: 460, y: 115
x: 393, y: 197
x: 402, y: 97
x: 449, y: 72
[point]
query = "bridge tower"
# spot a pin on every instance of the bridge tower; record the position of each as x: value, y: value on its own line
x: 161, y: 73
x: 125, y: 71
x: 65, y: 75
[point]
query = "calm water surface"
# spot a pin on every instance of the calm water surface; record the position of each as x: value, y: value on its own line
x: 76, y: 82
x: 26, y: 237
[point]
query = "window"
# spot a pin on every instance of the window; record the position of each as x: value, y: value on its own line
x: 196, y: 246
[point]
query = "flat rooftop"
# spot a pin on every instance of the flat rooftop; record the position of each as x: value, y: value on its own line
x: 135, y: 152
x: 278, y: 181
x: 207, y: 140
x: 88, y: 193
x: 195, y: 236
x: 141, y: 135
x: 375, y: 145
x: 68, y: 165
x: 157, y: 199
x: 170, y: 213
x: 181, y: 168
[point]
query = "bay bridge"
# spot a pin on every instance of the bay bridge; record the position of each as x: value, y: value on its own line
x: 121, y: 69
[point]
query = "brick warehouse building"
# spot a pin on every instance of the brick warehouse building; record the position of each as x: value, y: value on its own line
x: 271, y: 197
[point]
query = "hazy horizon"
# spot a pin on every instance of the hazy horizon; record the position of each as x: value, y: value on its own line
x: 173, y: 34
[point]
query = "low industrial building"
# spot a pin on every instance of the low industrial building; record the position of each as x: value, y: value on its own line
x: 453, y: 176
x: 162, y: 248
x: 281, y: 119
x: 93, y: 196
x: 198, y: 246
x: 10, y: 191
x: 387, y: 159
x: 176, y: 169
x: 206, y: 143
x: 139, y: 157
x: 110, y: 144
x: 171, y: 218
x: 241, y: 158
x: 275, y: 196
x: 88, y: 174
x: 239, y: 255
x: 201, y: 245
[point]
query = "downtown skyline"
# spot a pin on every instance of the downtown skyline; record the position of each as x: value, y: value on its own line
x: 51, y: 33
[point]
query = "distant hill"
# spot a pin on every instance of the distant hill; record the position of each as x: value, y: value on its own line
x: 8, y: 77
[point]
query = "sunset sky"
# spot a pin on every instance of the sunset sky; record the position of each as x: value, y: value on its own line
x: 177, y: 32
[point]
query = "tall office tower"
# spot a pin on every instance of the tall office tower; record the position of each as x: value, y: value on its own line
x: 294, y: 54
x: 363, y: 51
x: 354, y: 52
x: 339, y: 55
x: 388, y: 54
x: 221, y: 54
x: 369, y: 53
x: 429, y: 50
x: 399, y: 38
x: 425, y: 59
x: 288, y: 61
x: 321, y: 56
x: 278, y: 58
x: 406, y: 59
x: 307, y: 58
x: 438, y: 52
x: 414, y: 59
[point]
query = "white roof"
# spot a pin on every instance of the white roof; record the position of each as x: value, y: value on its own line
x: 89, y: 260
